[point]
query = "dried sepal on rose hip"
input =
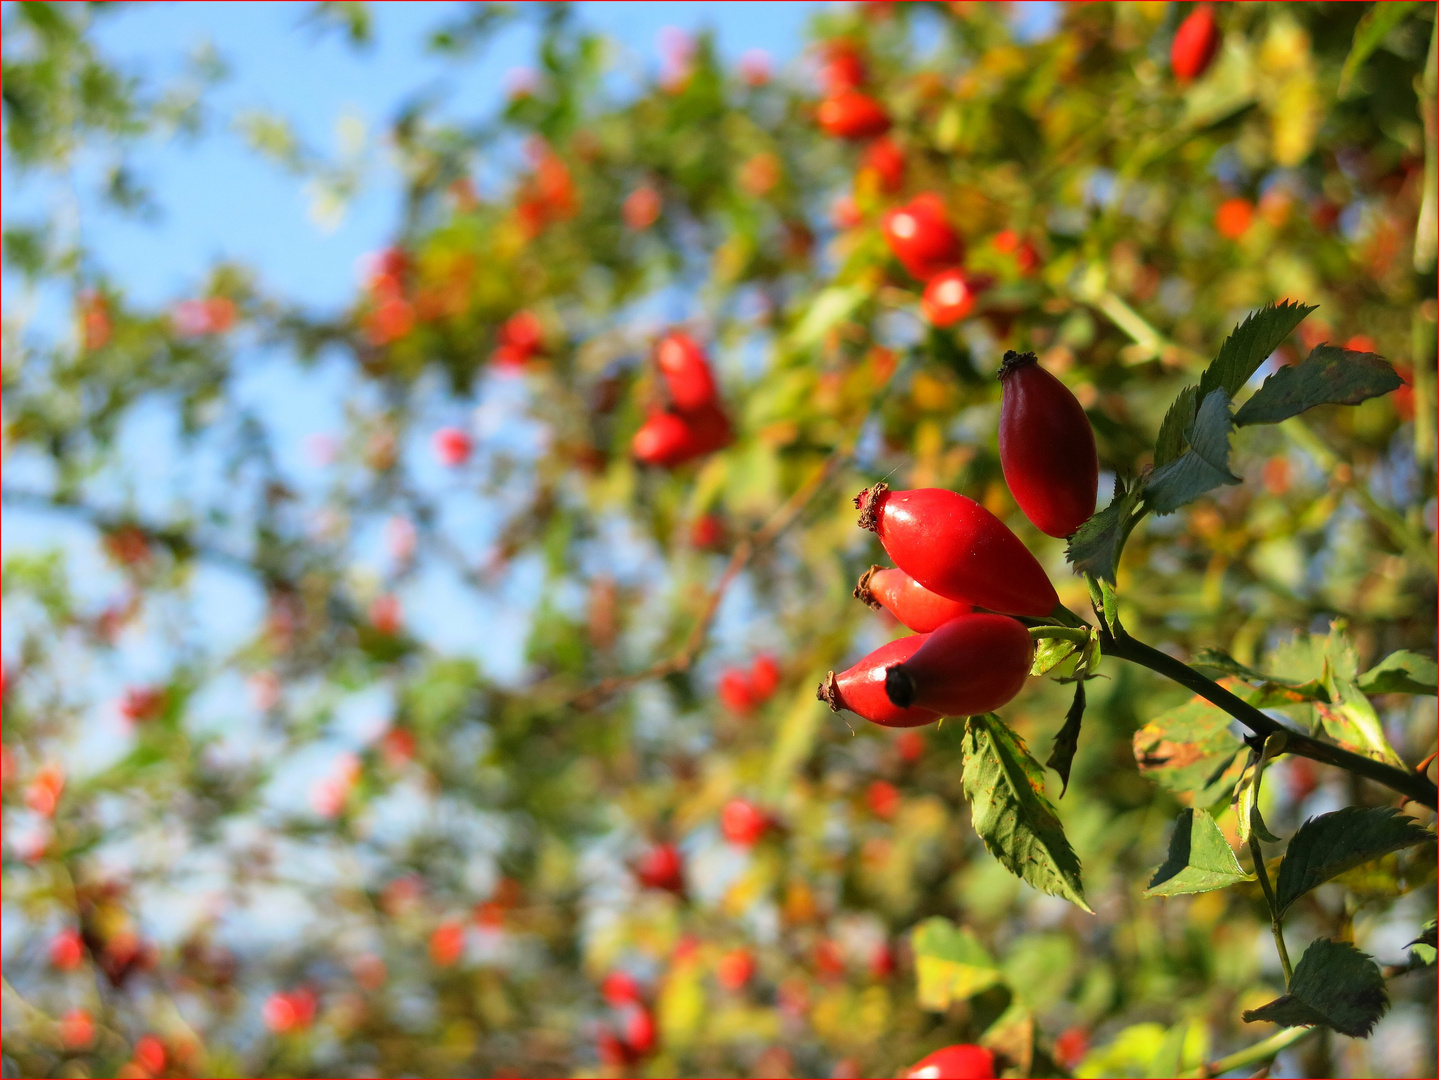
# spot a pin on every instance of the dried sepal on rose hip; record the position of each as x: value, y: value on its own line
x: 891, y: 589
x: 1046, y: 447
x: 860, y: 689
x: 972, y: 664
x: 953, y: 546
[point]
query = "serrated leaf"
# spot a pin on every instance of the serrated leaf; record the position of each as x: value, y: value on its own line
x: 1349, y: 718
x: 1066, y: 740
x: 1049, y: 653
x: 1019, y: 826
x: 1250, y: 345
x: 950, y: 964
x: 1200, y: 859
x: 1174, y: 431
x: 1330, y: 376
x: 1189, y: 750
x: 1334, y: 986
x: 1402, y: 672
x: 1095, y: 547
x: 1328, y: 845
x: 1203, y: 467
x: 1272, y: 691
x: 1373, y: 28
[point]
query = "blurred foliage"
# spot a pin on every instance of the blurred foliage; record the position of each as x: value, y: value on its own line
x: 447, y: 889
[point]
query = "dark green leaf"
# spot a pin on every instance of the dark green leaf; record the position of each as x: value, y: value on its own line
x: 1335, y: 986
x: 1203, y: 467
x: 1373, y: 28
x: 950, y: 964
x: 1401, y: 673
x: 1066, y: 741
x: 1096, y: 546
x: 1250, y: 345
x: 1200, y: 859
x: 1326, y: 846
x: 1174, y: 431
x: 1190, y: 751
x: 1005, y: 788
x: 1330, y: 376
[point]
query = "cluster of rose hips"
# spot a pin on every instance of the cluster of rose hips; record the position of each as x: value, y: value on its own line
x: 693, y: 423
x: 953, y: 556
x: 742, y: 691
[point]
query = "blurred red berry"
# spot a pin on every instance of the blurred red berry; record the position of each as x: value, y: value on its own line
x: 1233, y: 218
x: 142, y: 703
x: 77, y: 1030
x: 150, y: 1054
x: 43, y: 792
x: 66, y: 950
x: 852, y: 115
x: 764, y: 677
x: 843, y: 68
x: 686, y: 371
x: 962, y: 1062
x: 661, y: 867
x: 910, y: 745
x: 755, y: 67
x: 637, y: 1029
x: 1195, y: 43
x: 641, y: 208
x: 451, y: 446
x: 397, y: 747
x: 885, y: 159
x: 386, y: 615
x: 828, y: 959
x: 883, y: 799
x: 621, y: 988
x: 447, y: 942
x: 734, y: 692
x: 707, y: 531
x: 743, y: 823
x: 948, y: 298
x: 921, y: 237
x: 735, y: 969
x: 287, y: 1011
x: 1071, y: 1046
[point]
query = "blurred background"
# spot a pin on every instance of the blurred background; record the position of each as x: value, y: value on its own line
x: 370, y: 709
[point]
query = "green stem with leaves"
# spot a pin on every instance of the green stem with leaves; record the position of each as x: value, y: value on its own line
x: 1276, y: 921
x: 1406, y: 782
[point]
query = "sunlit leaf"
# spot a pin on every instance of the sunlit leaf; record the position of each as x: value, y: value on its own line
x: 1328, y: 845
x: 1200, y: 859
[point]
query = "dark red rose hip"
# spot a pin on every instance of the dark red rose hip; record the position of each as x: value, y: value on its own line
x: 970, y: 665
x: 1046, y: 447
x: 955, y: 547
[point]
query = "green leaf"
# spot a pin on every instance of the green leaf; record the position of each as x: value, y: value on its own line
x: 1330, y: 376
x: 1326, y: 846
x: 1426, y: 945
x: 1272, y: 691
x: 1200, y: 859
x: 1190, y: 751
x: 830, y: 307
x: 1066, y: 741
x: 1373, y: 28
x: 1250, y: 345
x: 1402, y: 672
x: 1096, y: 546
x: 1019, y: 826
x: 949, y: 964
x: 1334, y: 986
x: 1350, y: 719
x: 1203, y: 467
x: 1049, y: 653
x: 1246, y: 792
x: 1174, y: 431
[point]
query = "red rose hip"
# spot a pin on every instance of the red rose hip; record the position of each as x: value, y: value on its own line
x: 743, y: 822
x: 921, y: 237
x: 860, y: 689
x: 964, y: 1061
x: 1195, y: 43
x: 953, y: 546
x: 948, y: 298
x: 1046, y: 447
x: 686, y: 371
x: 970, y: 665
x: 851, y: 114
x: 907, y: 600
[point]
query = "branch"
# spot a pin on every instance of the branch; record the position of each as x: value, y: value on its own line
x: 1406, y: 782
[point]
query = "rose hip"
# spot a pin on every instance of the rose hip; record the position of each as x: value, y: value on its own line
x: 970, y: 665
x: 1046, y: 447
x: 1195, y: 43
x: 907, y: 600
x: 860, y: 689
x: 964, y: 1061
x: 953, y: 546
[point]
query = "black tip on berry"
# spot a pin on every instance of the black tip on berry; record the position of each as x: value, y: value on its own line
x: 828, y: 692
x: 899, y: 686
x: 1013, y: 361
x: 861, y: 591
x: 868, y: 502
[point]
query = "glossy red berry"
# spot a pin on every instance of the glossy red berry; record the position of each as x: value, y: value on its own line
x: 1195, y: 43
x: 921, y: 237
x: 851, y: 114
x: 964, y: 1061
x: 970, y: 665
x: 860, y: 689
x: 948, y: 298
x: 451, y: 447
x: 743, y: 823
x: 661, y: 867
x: 686, y: 372
x: 668, y: 439
x: 907, y: 600
x: 955, y: 547
x: 1046, y: 447
x: 886, y: 160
